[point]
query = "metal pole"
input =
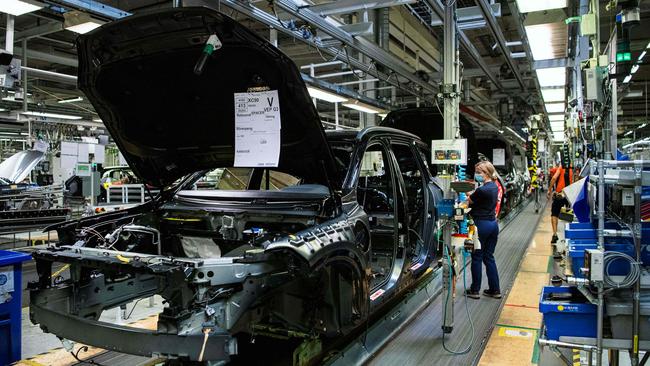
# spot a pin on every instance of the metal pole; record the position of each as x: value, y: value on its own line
x: 601, y: 246
x: 636, y: 301
x: 613, y: 124
x: 336, y: 115
x: 450, y: 63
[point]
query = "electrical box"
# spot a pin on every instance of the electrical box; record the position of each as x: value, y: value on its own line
x: 627, y: 197
x: 588, y: 25
x: 593, y: 81
x: 595, y: 265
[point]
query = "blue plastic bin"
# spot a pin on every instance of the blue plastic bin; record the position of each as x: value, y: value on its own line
x: 10, y: 305
x: 575, y: 318
x: 590, y: 231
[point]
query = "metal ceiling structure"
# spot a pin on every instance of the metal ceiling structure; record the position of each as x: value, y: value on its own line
x: 385, y: 53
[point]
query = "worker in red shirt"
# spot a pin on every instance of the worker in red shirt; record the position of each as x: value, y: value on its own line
x: 560, y: 178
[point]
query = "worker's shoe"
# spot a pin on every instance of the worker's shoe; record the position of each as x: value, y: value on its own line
x: 494, y: 294
x: 472, y: 294
x: 554, y: 239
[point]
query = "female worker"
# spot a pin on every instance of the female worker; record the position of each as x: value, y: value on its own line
x: 483, y: 203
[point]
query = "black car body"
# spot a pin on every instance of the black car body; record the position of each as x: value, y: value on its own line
x: 428, y: 124
x: 313, y: 259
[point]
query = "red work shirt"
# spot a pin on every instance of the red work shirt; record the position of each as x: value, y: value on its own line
x: 565, y: 178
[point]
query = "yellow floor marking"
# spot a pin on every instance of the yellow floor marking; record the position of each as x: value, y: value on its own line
x: 509, y: 346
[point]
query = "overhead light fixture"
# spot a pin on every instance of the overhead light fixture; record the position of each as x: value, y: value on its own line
x: 19, y: 7
x: 627, y: 79
x: 557, y: 125
x: 80, y: 22
x: 641, y: 126
x: 634, y: 69
x: 558, y: 136
x: 363, y: 107
x: 98, y: 120
x: 642, y: 55
x: 556, y: 117
x: 553, y: 95
x: 71, y: 100
x: 540, y: 39
x: 527, y: 6
x: 2, y: 109
x: 325, y: 95
x: 554, y: 107
x: 51, y: 115
x: 628, y: 133
x: 553, y: 76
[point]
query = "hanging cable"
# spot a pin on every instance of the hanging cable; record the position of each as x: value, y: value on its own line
x: 449, y: 295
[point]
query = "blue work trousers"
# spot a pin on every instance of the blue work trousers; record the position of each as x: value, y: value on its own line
x: 488, y: 234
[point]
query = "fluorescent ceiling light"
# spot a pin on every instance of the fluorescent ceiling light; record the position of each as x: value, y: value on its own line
x: 558, y: 136
x: 642, y: 55
x: 627, y: 79
x: 80, y: 22
x: 553, y: 95
x: 51, y: 115
x: 635, y: 68
x: 19, y: 7
x: 527, y: 6
x: 554, y: 76
x: 71, y: 100
x: 97, y: 120
x: 363, y: 107
x: 556, y: 117
x: 557, y: 125
x: 641, y: 126
x: 628, y: 133
x: 540, y: 39
x: 325, y: 95
x: 554, y: 107
x: 2, y: 109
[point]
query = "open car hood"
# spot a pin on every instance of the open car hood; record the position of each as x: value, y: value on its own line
x: 167, y: 121
x: 18, y: 166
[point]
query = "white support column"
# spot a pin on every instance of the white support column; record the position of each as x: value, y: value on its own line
x: 336, y: 115
x: 9, y: 34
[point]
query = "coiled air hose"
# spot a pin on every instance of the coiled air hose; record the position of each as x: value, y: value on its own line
x: 630, y: 279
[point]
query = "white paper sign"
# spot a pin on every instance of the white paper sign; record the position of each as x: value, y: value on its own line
x: 82, y: 154
x: 40, y: 145
x: 257, y: 129
x: 541, y: 146
x: 69, y: 148
x: 499, y: 157
x: 100, y: 154
x: 449, y: 151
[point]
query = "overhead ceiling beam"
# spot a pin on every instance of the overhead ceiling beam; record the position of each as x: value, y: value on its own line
x: 270, y: 20
x: 48, y: 56
x: 438, y: 10
x: 468, y: 14
x: 351, y: 6
x: 501, y: 40
x: 362, y: 45
x: 39, y: 31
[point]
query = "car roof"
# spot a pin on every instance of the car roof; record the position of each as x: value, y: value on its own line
x: 368, y: 132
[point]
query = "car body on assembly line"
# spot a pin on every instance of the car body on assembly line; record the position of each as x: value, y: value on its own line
x: 314, y: 246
